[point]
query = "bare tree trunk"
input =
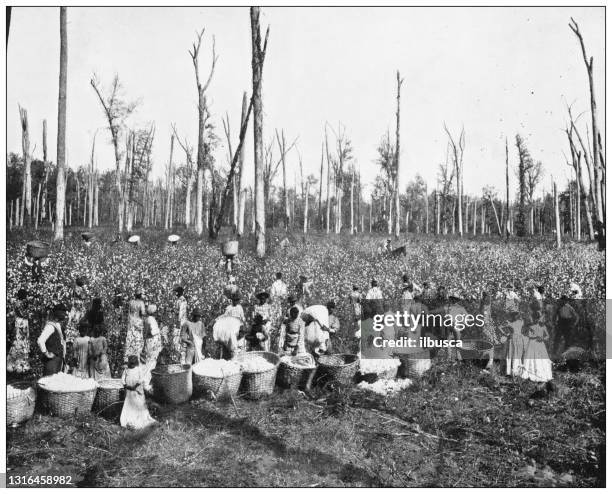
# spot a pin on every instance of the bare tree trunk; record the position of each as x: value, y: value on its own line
x: 370, y: 222
x: 169, y: 180
x: 96, y: 200
x: 397, y: 159
x: 475, y: 215
x: 557, y: 219
x: 281, y: 145
x: 352, y: 201
x: 320, y: 212
x: 26, y: 196
x: 327, y: 212
x: 307, y: 192
x: 258, y: 55
x: 496, y: 217
x: 61, y: 131
x: 239, y: 183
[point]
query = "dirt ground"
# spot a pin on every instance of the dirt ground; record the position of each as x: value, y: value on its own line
x: 456, y: 426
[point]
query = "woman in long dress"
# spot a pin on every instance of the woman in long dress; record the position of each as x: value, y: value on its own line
x: 515, y: 345
x: 17, y: 359
x: 134, y: 414
x: 77, y: 311
x: 264, y: 309
x: 536, y: 363
x: 81, y: 351
x: 136, y: 312
x: 192, y: 336
x: 98, y: 358
x: 152, y: 345
x: 180, y: 311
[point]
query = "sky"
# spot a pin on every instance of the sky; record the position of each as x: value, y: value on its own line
x: 495, y: 71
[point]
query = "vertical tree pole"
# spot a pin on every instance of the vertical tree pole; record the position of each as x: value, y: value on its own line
x: 320, y: 217
x: 328, y: 206
x: 61, y: 130
x: 557, y: 220
x: 169, y: 182
x: 257, y: 61
x: 26, y: 192
x: 397, y: 158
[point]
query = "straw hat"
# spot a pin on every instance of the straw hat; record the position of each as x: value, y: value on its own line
x: 134, y: 239
x: 173, y: 239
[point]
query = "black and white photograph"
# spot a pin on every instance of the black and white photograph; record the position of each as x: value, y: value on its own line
x: 304, y: 246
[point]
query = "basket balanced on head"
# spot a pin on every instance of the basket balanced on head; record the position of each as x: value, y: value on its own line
x: 230, y: 248
x: 37, y: 249
x: 340, y: 368
x: 258, y: 373
x: 172, y: 383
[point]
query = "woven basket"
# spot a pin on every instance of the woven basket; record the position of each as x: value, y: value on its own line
x: 291, y: 376
x: 21, y: 408
x: 415, y: 364
x: 87, y: 236
x: 256, y: 385
x: 230, y: 248
x: 341, y: 367
x: 66, y: 403
x: 221, y: 387
x: 37, y: 249
x: 108, y: 395
x: 172, y: 387
x: 476, y: 350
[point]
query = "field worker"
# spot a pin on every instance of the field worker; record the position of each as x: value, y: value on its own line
x: 77, y: 310
x: 278, y: 294
x: 17, y: 359
x: 136, y: 313
x: 235, y: 309
x: 291, y: 337
x: 152, y: 344
x: 51, y: 341
x: 258, y: 337
x: 264, y: 309
x: 304, y: 290
x: 566, y: 325
x: 316, y: 335
x: 180, y: 305
x: 134, y: 414
x: 192, y: 336
x: 98, y: 358
x: 511, y: 298
x: 536, y: 363
x: 458, y: 312
x: 515, y: 344
x: 231, y: 288
x: 429, y: 293
x: 292, y: 301
x: 538, y: 295
x: 81, y: 351
x: 374, y: 293
x: 227, y: 336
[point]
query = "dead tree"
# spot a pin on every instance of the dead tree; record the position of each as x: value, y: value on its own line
x: 507, y: 224
x: 282, y: 146
x: 116, y: 110
x: 169, y: 192
x: 327, y: 211
x: 43, y: 208
x: 257, y: 62
x: 457, y: 149
x: 203, y: 116
x: 61, y: 131
x: 397, y: 158
x: 91, y: 183
x: 597, y: 162
x: 26, y: 191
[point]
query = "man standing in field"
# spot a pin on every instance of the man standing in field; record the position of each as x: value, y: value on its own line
x: 51, y: 341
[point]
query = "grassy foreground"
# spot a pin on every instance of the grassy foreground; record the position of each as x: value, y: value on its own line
x: 455, y: 427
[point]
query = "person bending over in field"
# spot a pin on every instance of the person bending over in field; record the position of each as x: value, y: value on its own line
x: 228, y: 335
x: 192, y: 336
x: 51, y: 341
x: 334, y: 323
x: 258, y: 338
x: 17, y: 359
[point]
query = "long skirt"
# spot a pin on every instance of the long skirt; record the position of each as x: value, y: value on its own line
x: 99, y: 368
x: 536, y: 364
x: 515, y: 347
x: 17, y: 359
x: 135, y: 414
x: 148, y: 358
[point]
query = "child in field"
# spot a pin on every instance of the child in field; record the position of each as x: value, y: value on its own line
x: 235, y: 309
x: 98, y: 359
x: 291, y: 338
x: 134, y: 414
x: 258, y: 338
x: 536, y: 363
x: 81, y: 351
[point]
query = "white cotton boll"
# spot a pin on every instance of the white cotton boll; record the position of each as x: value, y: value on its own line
x: 256, y: 364
x: 66, y: 382
x: 385, y: 387
x: 216, y: 368
x: 379, y: 365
